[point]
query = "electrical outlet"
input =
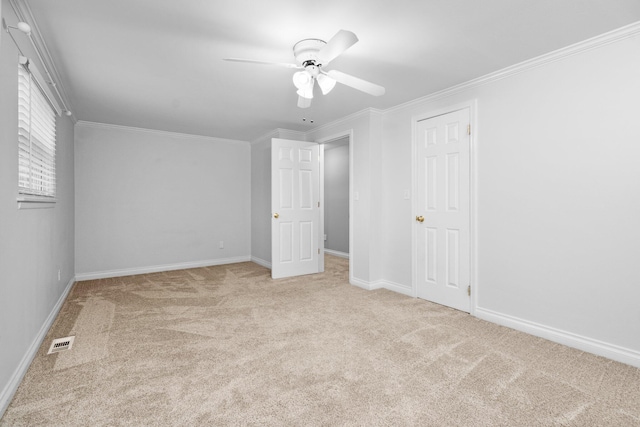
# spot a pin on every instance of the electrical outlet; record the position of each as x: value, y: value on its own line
x: 325, y: 237
x: 221, y: 245
x: 59, y: 275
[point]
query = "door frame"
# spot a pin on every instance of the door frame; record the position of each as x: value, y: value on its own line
x: 322, y: 141
x: 473, y: 193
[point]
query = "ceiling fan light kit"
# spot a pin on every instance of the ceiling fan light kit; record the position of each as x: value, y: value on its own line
x: 311, y: 56
x: 306, y: 92
x: 326, y: 83
x: 301, y: 79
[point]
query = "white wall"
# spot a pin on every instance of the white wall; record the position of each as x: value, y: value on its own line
x: 558, y: 192
x: 150, y: 200
x: 366, y: 136
x: 34, y: 243
x: 336, y: 195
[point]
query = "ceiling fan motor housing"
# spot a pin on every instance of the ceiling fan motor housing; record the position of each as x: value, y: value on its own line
x: 306, y: 51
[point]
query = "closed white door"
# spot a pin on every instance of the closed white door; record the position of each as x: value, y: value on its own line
x: 295, y: 198
x: 443, y: 217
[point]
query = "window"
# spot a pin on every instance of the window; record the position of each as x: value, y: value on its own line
x: 36, y: 136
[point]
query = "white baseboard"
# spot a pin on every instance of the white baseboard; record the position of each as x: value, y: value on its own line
x: 395, y: 287
x: 382, y: 284
x: 159, y: 268
x: 12, y: 386
x: 261, y: 262
x: 336, y: 253
x: 361, y: 283
x: 590, y: 345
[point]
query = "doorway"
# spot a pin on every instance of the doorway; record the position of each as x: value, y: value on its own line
x: 299, y: 225
x: 336, y: 188
x: 336, y: 197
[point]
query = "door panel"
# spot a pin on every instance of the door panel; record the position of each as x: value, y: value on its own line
x: 431, y: 255
x: 295, y: 212
x: 443, y: 257
x: 431, y: 184
x: 286, y: 241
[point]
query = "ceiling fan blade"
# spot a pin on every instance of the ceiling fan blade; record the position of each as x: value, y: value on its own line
x: 356, y: 83
x: 342, y: 41
x: 252, y: 61
x: 304, y: 102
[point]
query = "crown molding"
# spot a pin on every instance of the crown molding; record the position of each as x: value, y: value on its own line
x: 107, y: 126
x: 23, y: 12
x: 593, y: 43
x: 274, y: 133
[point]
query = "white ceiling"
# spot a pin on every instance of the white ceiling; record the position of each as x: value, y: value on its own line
x: 157, y: 64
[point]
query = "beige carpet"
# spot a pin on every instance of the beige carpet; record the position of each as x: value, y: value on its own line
x: 227, y: 345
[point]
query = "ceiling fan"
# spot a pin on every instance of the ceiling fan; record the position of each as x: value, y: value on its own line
x: 312, y: 55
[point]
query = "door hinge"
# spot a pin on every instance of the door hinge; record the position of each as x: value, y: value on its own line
x: 468, y: 129
x: 318, y: 251
x: 469, y: 290
x: 318, y: 204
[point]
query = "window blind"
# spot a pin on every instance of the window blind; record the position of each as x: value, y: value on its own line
x: 36, y: 138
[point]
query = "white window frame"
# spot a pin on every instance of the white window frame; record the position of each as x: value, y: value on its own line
x: 37, y: 111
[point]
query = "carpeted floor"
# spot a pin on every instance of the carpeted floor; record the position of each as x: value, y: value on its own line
x: 227, y: 345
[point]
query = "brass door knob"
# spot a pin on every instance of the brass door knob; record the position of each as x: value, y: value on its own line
x: 276, y: 215
x: 420, y: 218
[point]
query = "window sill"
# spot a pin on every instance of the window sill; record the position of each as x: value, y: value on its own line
x: 34, y: 202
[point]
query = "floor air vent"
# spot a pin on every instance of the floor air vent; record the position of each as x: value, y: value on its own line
x: 61, y: 344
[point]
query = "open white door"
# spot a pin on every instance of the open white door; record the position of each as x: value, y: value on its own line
x: 295, y: 198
